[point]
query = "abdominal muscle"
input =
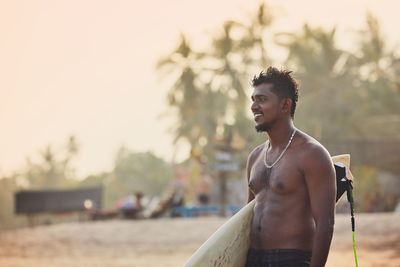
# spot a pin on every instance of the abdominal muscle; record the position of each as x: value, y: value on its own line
x: 281, y: 222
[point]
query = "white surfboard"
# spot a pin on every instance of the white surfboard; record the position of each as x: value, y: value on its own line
x: 228, y: 246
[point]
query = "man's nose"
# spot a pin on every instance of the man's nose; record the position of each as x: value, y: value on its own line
x: 254, y: 106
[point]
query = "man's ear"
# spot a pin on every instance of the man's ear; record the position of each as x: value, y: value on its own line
x: 286, y: 105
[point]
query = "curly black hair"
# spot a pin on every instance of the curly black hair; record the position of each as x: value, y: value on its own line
x: 284, y: 85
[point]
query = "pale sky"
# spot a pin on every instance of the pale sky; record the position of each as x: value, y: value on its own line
x: 87, y: 67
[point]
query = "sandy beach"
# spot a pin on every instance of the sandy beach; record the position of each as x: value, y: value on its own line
x: 169, y: 242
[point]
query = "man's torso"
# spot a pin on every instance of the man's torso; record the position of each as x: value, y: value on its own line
x: 282, y: 214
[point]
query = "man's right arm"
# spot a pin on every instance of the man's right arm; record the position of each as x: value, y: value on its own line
x: 250, y: 195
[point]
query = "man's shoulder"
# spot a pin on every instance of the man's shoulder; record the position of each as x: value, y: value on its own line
x: 254, y: 154
x: 314, y: 160
x: 257, y: 150
x: 309, y: 148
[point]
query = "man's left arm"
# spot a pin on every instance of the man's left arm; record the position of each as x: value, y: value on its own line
x: 321, y: 183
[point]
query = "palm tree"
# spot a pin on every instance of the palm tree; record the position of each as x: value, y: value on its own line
x: 184, y: 94
x: 209, y: 89
x: 326, y: 81
x: 378, y: 81
x: 238, y: 52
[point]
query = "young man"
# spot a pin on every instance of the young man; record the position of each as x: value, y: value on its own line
x: 291, y: 177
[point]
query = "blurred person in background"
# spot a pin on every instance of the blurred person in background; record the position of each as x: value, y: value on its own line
x: 131, y: 206
x: 203, y: 188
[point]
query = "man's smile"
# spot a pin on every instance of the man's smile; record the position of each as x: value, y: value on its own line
x: 257, y: 115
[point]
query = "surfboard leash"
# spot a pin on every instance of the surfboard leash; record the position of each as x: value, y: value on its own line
x: 353, y: 222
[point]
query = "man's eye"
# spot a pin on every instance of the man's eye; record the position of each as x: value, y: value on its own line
x: 259, y: 99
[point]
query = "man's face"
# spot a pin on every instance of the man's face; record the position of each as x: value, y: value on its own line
x: 265, y: 107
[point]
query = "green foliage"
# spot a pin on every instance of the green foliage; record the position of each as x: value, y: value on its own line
x: 358, y: 92
x: 8, y: 187
x: 209, y: 93
x: 134, y: 172
x: 369, y: 192
x: 365, y: 186
x: 344, y: 95
x: 53, y: 168
x: 378, y: 83
x: 327, y: 94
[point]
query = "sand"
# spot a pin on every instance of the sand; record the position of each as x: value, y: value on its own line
x: 169, y: 242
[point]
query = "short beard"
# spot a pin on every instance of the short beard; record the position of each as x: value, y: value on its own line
x: 265, y: 127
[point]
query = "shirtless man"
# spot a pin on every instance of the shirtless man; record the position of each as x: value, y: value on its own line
x: 292, y: 179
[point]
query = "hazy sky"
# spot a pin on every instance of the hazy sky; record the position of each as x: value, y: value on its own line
x: 87, y: 67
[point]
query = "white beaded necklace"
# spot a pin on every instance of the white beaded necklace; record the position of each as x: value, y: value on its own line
x: 269, y: 167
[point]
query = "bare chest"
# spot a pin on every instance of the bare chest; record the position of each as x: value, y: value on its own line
x: 284, y: 178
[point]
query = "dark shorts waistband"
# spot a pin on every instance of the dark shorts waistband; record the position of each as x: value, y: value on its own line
x: 278, y: 257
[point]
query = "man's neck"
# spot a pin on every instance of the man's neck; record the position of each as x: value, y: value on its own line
x: 280, y: 134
